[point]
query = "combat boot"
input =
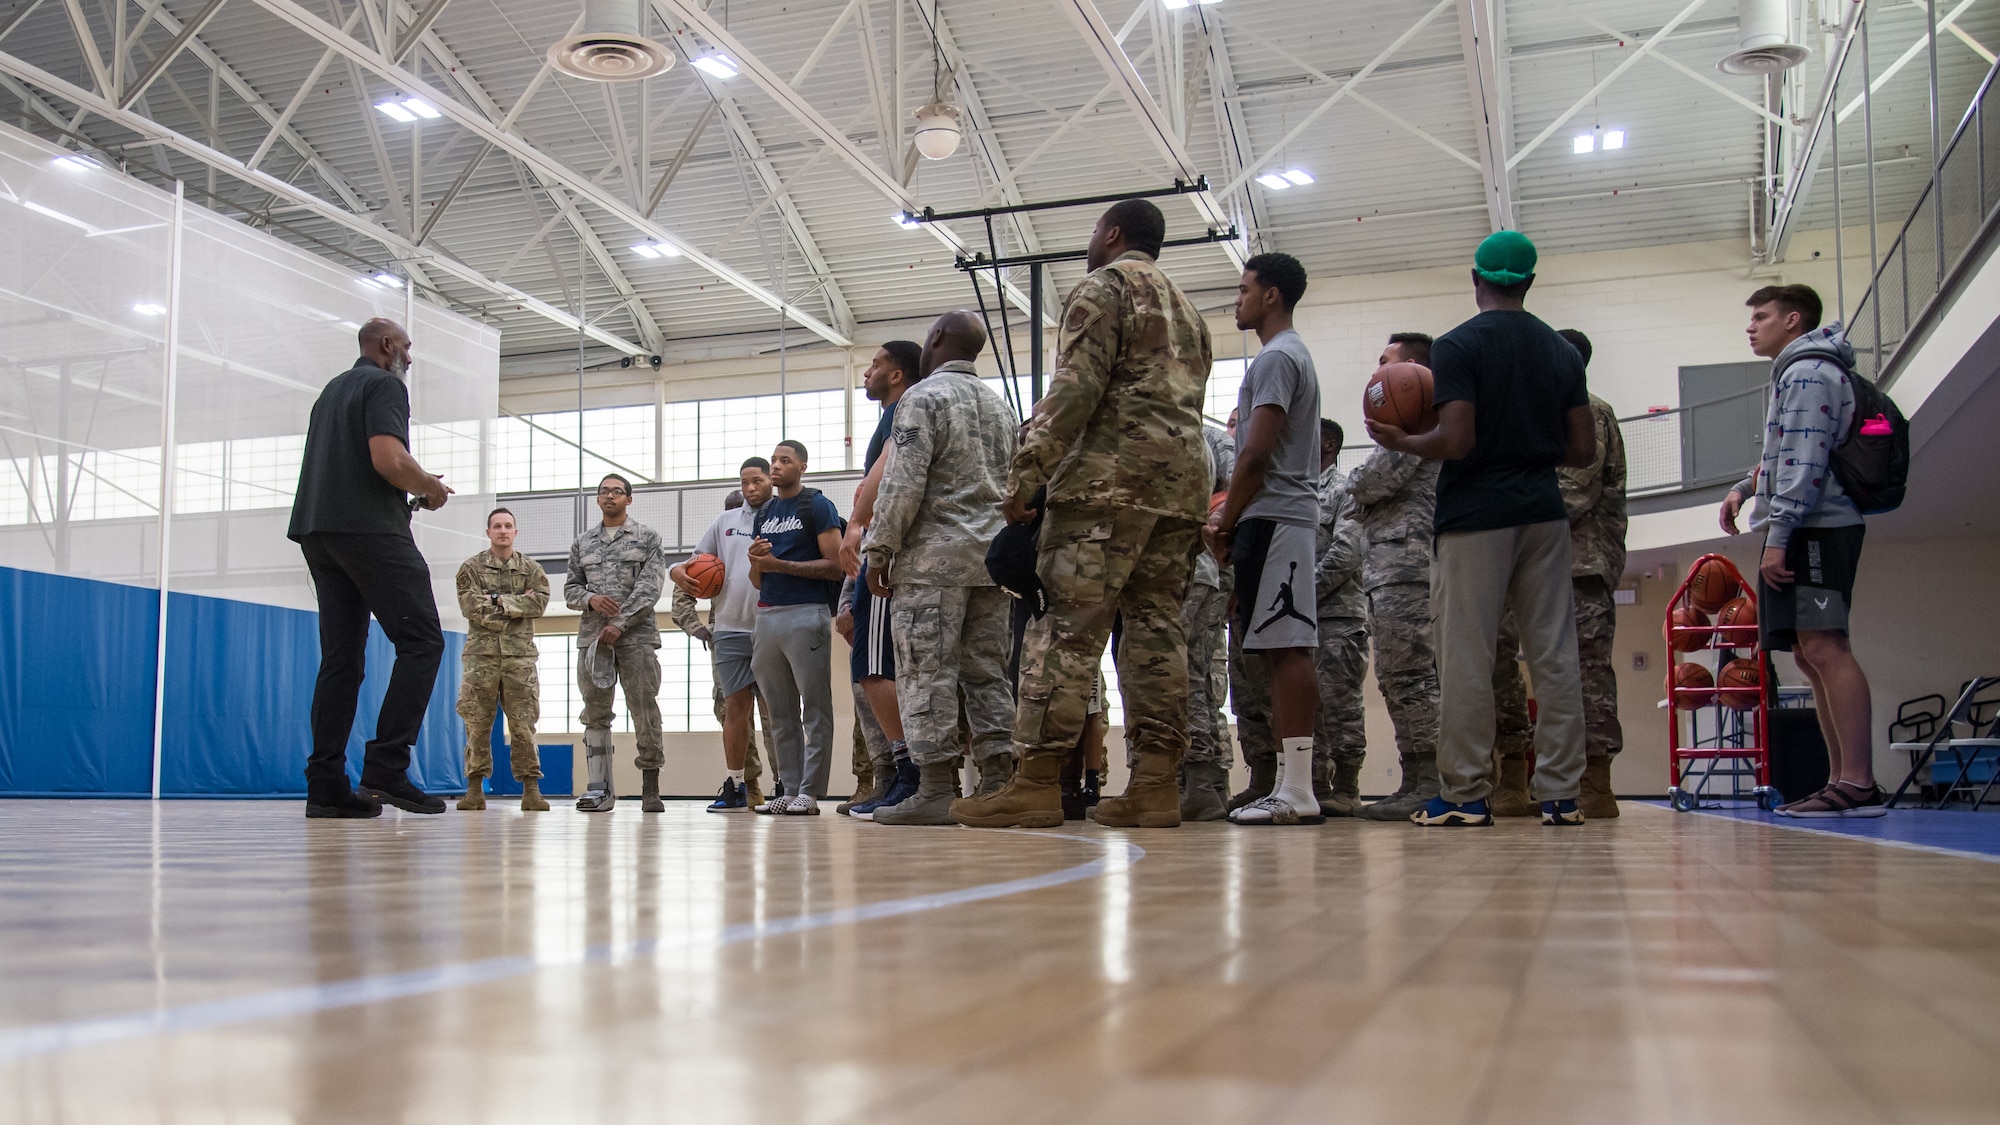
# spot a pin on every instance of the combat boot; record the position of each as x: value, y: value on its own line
x: 995, y: 772
x: 876, y: 784
x: 475, y: 794
x: 1200, y: 799
x: 1597, y: 800
x: 649, y: 781
x: 1343, y: 790
x: 531, y: 796
x: 937, y: 786
x: 1152, y: 798
x: 1420, y: 784
x: 1510, y: 796
x: 1263, y: 779
x: 1031, y: 798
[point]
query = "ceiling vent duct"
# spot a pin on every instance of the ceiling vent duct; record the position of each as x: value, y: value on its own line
x: 1763, y: 40
x: 609, y: 47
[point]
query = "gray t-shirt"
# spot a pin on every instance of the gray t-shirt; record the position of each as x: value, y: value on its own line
x: 1282, y: 376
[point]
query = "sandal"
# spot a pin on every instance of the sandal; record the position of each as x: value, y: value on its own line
x: 1786, y: 808
x: 1839, y: 801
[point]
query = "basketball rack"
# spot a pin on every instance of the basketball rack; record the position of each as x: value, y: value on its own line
x: 1733, y: 761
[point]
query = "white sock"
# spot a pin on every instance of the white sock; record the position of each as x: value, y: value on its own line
x: 736, y: 776
x: 1295, y: 775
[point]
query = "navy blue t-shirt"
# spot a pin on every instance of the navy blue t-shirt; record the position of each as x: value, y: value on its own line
x: 881, y: 437
x: 781, y: 522
x: 1522, y: 381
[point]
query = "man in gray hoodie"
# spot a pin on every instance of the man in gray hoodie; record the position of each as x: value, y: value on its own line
x: 1812, y: 536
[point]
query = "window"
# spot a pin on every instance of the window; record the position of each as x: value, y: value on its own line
x: 687, y: 687
x: 1225, y: 381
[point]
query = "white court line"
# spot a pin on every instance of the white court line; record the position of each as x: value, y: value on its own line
x: 53, y: 1038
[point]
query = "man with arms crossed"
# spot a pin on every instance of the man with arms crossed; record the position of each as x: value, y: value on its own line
x: 615, y: 574
x: 501, y: 591
x: 1268, y: 530
x: 1812, y: 537
x: 732, y: 618
x: 352, y: 522
x: 1511, y: 406
x: 793, y: 558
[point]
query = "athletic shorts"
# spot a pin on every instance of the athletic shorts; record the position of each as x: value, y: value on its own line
x: 1822, y: 561
x: 732, y: 662
x: 874, y: 646
x: 1275, y: 603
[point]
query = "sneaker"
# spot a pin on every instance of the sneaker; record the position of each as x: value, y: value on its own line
x: 730, y: 798
x: 399, y: 792
x: 1442, y: 813
x: 901, y: 788
x: 802, y: 805
x: 1561, y: 812
x: 1840, y: 801
x: 338, y: 802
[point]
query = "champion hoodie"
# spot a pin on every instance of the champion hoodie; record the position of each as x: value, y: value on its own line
x: 1812, y: 407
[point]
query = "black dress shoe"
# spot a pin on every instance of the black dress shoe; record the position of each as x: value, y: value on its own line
x: 400, y: 793
x: 331, y: 802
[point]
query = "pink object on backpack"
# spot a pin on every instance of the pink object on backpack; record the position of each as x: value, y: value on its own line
x: 1877, y: 426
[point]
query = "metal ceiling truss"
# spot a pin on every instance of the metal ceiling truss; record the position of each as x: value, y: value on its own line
x: 1651, y: 44
x: 1483, y: 36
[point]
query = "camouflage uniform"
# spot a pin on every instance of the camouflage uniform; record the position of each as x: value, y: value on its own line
x: 1339, y: 736
x: 500, y: 599
x: 1118, y: 440
x: 936, y: 512
x: 1395, y: 498
x: 1202, y: 617
x: 630, y: 569
x: 682, y: 610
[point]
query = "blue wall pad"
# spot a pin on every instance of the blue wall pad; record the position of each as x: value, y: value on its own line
x: 76, y: 694
x: 558, y: 765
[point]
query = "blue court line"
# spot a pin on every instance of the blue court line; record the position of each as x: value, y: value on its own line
x: 1964, y: 835
x: 54, y: 1038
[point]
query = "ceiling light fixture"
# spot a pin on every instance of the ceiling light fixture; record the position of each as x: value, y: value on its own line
x: 149, y: 308
x: 408, y: 110
x: 903, y: 219
x: 75, y: 162
x: 382, y: 280
x: 716, y: 66
x: 395, y: 111
x: 938, y: 131
x: 1297, y: 176
x: 1614, y: 138
x: 656, y: 249
x: 1582, y: 143
x: 1173, y: 5
x: 1274, y: 181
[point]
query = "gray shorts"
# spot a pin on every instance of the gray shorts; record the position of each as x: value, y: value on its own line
x: 1275, y: 603
x: 732, y: 662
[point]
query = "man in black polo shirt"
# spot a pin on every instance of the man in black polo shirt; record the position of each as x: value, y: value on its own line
x: 1511, y: 407
x: 351, y: 518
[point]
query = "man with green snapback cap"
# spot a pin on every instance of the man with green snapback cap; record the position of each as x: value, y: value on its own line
x: 1512, y: 406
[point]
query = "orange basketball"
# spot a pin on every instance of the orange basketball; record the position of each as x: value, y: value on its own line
x: 1399, y: 395
x: 1696, y: 684
x: 1740, y: 611
x: 1215, y: 501
x: 1688, y: 617
x: 1712, y: 585
x: 1740, y: 673
x: 704, y: 573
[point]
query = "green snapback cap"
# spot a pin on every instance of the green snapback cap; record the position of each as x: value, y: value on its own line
x: 1507, y: 257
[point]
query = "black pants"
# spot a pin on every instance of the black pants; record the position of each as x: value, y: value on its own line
x: 359, y: 575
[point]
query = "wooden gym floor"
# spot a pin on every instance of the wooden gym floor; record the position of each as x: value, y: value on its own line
x: 231, y: 961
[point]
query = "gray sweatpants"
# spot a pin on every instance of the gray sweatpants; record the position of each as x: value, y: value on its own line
x: 791, y: 654
x: 1476, y: 575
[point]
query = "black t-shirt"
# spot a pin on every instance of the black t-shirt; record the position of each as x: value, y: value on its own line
x: 339, y: 489
x: 1522, y: 381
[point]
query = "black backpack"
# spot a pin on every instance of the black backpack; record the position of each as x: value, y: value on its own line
x: 804, y: 503
x: 1873, y: 463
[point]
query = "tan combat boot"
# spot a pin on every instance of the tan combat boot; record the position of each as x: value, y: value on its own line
x: 1339, y: 793
x: 650, y: 783
x: 1032, y: 798
x: 475, y: 795
x: 1596, y: 798
x: 1152, y: 799
x: 531, y: 796
x: 1510, y: 797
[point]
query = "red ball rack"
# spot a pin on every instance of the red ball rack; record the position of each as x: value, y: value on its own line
x: 1740, y: 746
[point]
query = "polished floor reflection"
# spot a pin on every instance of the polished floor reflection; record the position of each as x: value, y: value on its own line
x: 231, y: 961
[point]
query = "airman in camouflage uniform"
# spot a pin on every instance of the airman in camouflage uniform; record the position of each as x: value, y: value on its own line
x: 1205, y: 773
x: 683, y: 610
x: 1340, y: 739
x: 500, y: 599
x: 1118, y: 441
x: 936, y: 513
x: 1395, y: 498
x: 624, y: 563
x: 1594, y: 497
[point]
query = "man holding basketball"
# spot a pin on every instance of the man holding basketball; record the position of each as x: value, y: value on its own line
x: 732, y: 617
x: 1511, y: 406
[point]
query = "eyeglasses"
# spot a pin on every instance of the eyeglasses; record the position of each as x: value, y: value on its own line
x: 612, y: 492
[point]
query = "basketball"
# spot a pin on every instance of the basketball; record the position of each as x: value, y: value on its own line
x: 1696, y: 683
x: 1688, y: 617
x: 1215, y: 501
x: 1399, y: 395
x: 1740, y: 611
x: 704, y: 573
x: 1740, y: 673
x: 1712, y: 585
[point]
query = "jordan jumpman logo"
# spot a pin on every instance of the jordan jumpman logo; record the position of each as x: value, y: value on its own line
x: 1283, y: 604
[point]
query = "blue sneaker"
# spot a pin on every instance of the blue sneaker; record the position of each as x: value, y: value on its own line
x: 1561, y: 812
x: 901, y: 788
x: 1442, y: 813
x: 730, y: 798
